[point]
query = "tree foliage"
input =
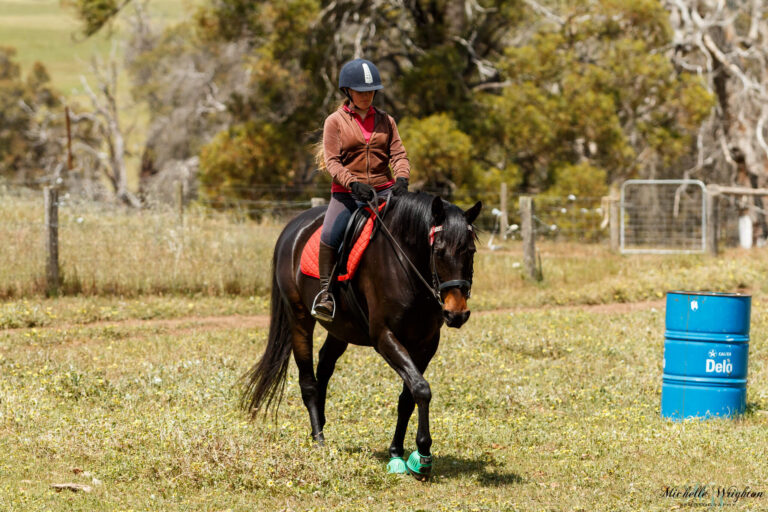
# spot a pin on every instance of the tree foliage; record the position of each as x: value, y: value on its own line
x: 95, y: 14
x: 440, y: 154
x: 241, y: 159
x: 23, y: 104
x: 565, y: 96
x: 594, y: 87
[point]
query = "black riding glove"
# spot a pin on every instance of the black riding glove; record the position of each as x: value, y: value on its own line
x: 400, y: 186
x: 363, y: 192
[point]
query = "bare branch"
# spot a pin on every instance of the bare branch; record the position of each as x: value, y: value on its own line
x: 536, y: 6
x: 491, y: 85
x: 759, y: 130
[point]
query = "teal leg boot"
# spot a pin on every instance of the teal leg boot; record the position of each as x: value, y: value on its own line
x: 397, y: 465
x: 420, y: 466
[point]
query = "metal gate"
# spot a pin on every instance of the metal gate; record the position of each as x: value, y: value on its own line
x: 663, y: 217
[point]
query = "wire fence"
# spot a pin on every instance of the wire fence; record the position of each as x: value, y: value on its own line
x: 663, y: 216
x: 557, y: 219
x: 223, y: 245
x: 220, y: 245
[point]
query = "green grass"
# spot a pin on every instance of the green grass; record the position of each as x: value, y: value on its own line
x: 132, y: 380
x: 46, y: 31
x: 65, y: 311
x: 548, y: 410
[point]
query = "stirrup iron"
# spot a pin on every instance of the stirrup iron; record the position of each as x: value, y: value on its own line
x: 322, y: 316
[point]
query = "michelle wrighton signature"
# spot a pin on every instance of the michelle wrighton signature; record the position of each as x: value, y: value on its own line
x: 702, y: 495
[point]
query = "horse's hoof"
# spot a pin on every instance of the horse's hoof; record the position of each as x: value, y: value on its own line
x: 420, y: 466
x: 397, y: 465
x: 319, y: 439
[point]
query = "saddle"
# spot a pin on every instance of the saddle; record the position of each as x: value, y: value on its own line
x: 357, y: 235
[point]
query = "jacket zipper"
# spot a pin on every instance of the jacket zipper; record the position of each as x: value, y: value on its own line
x: 367, y: 146
x: 368, y: 149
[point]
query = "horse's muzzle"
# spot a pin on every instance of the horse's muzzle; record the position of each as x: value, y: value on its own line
x: 453, y: 319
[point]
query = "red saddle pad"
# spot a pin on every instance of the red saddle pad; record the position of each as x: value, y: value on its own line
x: 310, y: 253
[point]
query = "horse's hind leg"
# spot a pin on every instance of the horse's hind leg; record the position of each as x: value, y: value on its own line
x: 301, y: 338
x: 332, y: 349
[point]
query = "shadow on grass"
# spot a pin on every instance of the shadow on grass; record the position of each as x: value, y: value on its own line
x: 449, y: 467
x: 751, y: 410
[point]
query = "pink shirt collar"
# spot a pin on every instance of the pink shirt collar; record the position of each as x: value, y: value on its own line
x: 365, y: 126
x: 371, y: 110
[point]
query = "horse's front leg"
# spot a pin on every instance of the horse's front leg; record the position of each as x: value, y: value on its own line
x: 405, y: 406
x: 416, y: 391
x: 329, y: 354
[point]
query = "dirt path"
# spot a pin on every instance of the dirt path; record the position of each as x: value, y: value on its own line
x: 179, y: 324
x: 619, y: 307
x: 209, y: 323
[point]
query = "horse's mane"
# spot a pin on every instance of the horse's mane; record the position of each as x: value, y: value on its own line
x: 411, y: 219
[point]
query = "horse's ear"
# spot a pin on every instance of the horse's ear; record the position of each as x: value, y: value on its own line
x: 438, y: 211
x: 473, y: 212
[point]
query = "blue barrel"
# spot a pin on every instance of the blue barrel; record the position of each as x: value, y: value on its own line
x: 705, y: 355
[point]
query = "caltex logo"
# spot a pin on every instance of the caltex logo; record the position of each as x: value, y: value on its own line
x: 712, y: 353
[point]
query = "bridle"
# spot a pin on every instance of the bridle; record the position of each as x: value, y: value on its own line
x: 454, y: 283
x: 436, y: 287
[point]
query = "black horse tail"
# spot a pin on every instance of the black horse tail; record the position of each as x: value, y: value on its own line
x: 265, y: 382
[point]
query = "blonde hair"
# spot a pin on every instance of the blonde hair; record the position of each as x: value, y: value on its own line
x: 319, y: 151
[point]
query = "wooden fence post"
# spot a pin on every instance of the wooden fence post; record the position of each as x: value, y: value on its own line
x: 504, y: 219
x: 711, y: 223
x: 52, y: 239
x: 529, y: 245
x: 614, y: 218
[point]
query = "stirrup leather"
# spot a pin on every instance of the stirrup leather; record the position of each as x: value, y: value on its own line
x: 319, y: 314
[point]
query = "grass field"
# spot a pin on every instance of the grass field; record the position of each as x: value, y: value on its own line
x: 554, y: 409
x: 47, y: 31
x: 129, y: 382
x: 131, y: 386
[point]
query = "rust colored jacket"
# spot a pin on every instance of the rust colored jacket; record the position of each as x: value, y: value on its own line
x: 348, y: 158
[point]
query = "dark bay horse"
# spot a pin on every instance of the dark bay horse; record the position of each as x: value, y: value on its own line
x: 415, y: 275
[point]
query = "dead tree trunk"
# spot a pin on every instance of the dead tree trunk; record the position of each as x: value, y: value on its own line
x: 106, y: 115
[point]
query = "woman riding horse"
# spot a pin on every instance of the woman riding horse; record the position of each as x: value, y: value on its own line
x: 360, y: 143
x: 428, y: 245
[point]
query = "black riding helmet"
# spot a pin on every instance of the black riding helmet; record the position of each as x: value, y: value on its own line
x: 359, y: 75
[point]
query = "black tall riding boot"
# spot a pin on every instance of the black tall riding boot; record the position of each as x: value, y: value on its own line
x: 324, y: 306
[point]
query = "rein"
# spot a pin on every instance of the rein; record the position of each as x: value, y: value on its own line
x: 436, y: 287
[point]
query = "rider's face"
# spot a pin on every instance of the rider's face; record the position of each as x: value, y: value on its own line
x: 362, y: 100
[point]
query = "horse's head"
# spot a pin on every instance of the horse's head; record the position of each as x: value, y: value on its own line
x: 452, y: 241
